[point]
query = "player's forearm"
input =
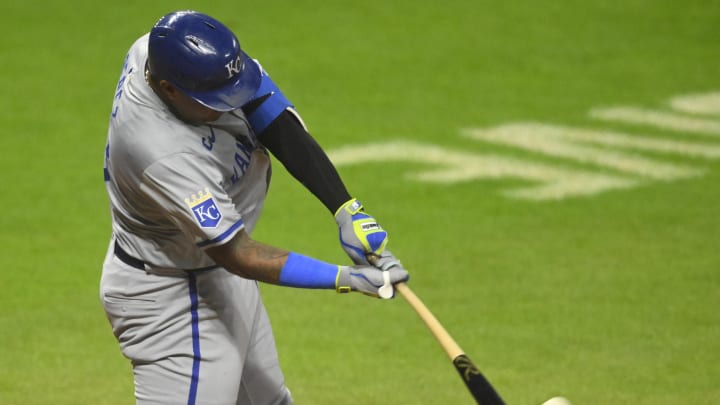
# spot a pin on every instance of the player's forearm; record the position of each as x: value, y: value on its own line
x: 305, y: 160
x: 250, y: 259
x: 255, y: 260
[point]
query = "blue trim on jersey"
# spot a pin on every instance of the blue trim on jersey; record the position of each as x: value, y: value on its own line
x: 222, y: 236
x: 195, y: 377
x: 305, y: 272
x: 106, y: 172
x: 271, y: 108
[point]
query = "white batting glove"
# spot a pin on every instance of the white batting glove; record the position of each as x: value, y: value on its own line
x: 360, y: 234
x: 370, y: 280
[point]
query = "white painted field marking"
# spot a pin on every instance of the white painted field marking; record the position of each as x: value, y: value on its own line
x: 704, y: 103
x: 572, y: 143
x: 619, y: 152
x: 450, y: 166
x: 659, y: 119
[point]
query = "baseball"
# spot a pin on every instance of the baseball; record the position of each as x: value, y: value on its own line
x: 557, y: 401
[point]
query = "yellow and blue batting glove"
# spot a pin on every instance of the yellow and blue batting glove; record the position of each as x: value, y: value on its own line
x: 360, y: 234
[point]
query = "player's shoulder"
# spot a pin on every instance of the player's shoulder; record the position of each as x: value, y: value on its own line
x: 151, y: 137
x: 139, y: 49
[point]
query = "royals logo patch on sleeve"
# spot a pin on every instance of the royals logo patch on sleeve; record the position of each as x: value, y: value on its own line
x: 204, y: 208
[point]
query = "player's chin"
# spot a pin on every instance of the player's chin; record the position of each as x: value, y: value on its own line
x: 200, y: 114
x: 202, y: 119
x: 196, y: 114
x: 211, y: 116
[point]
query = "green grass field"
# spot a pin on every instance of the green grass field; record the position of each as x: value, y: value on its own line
x: 606, y: 297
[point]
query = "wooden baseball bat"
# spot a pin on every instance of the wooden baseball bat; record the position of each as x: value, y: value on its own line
x: 479, y: 386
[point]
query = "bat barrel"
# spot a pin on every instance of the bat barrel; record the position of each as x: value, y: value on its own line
x: 477, y: 384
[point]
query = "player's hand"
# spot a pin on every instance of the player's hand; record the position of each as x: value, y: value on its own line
x: 384, y: 261
x: 370, y: 280
x: 360, y: 234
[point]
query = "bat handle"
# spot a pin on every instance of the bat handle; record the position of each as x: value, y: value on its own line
x: 452, y: 349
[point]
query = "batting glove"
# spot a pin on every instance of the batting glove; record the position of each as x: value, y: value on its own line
x: 360, y: 234
x: 385, y: 261
x: 370, y: 280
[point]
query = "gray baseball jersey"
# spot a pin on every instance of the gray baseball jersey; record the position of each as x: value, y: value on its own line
x: 175, y: 189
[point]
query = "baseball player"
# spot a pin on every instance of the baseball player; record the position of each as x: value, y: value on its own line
x: 186, y: 170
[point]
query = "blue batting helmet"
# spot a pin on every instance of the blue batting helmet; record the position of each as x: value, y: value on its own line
x: 202, y: 57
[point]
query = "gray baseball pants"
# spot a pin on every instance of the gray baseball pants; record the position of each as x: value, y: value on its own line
x: 196, y: 338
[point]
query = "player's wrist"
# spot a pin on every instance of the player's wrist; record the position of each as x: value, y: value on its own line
x: 343, y: 281
x: 349, y: 208
x: 301, y: 271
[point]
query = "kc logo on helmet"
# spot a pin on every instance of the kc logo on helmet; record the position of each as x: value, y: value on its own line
x: 204, y: 209
x: 234, y: 66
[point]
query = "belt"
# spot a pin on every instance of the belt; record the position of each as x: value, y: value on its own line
x: 126, y: 258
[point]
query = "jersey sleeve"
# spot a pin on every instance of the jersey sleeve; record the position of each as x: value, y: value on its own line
x: 189, y: 192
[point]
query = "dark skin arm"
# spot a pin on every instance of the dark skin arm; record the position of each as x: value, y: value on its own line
x: 250, y: 259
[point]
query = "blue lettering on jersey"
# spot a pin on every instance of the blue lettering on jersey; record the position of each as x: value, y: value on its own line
x: 209, y: 141
x: 106, y: 172
x: 204, y: 209
x: 119, y: 89
x: 242, y: 162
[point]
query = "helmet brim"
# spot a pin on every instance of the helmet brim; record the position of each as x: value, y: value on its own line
x: 234, y: 94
